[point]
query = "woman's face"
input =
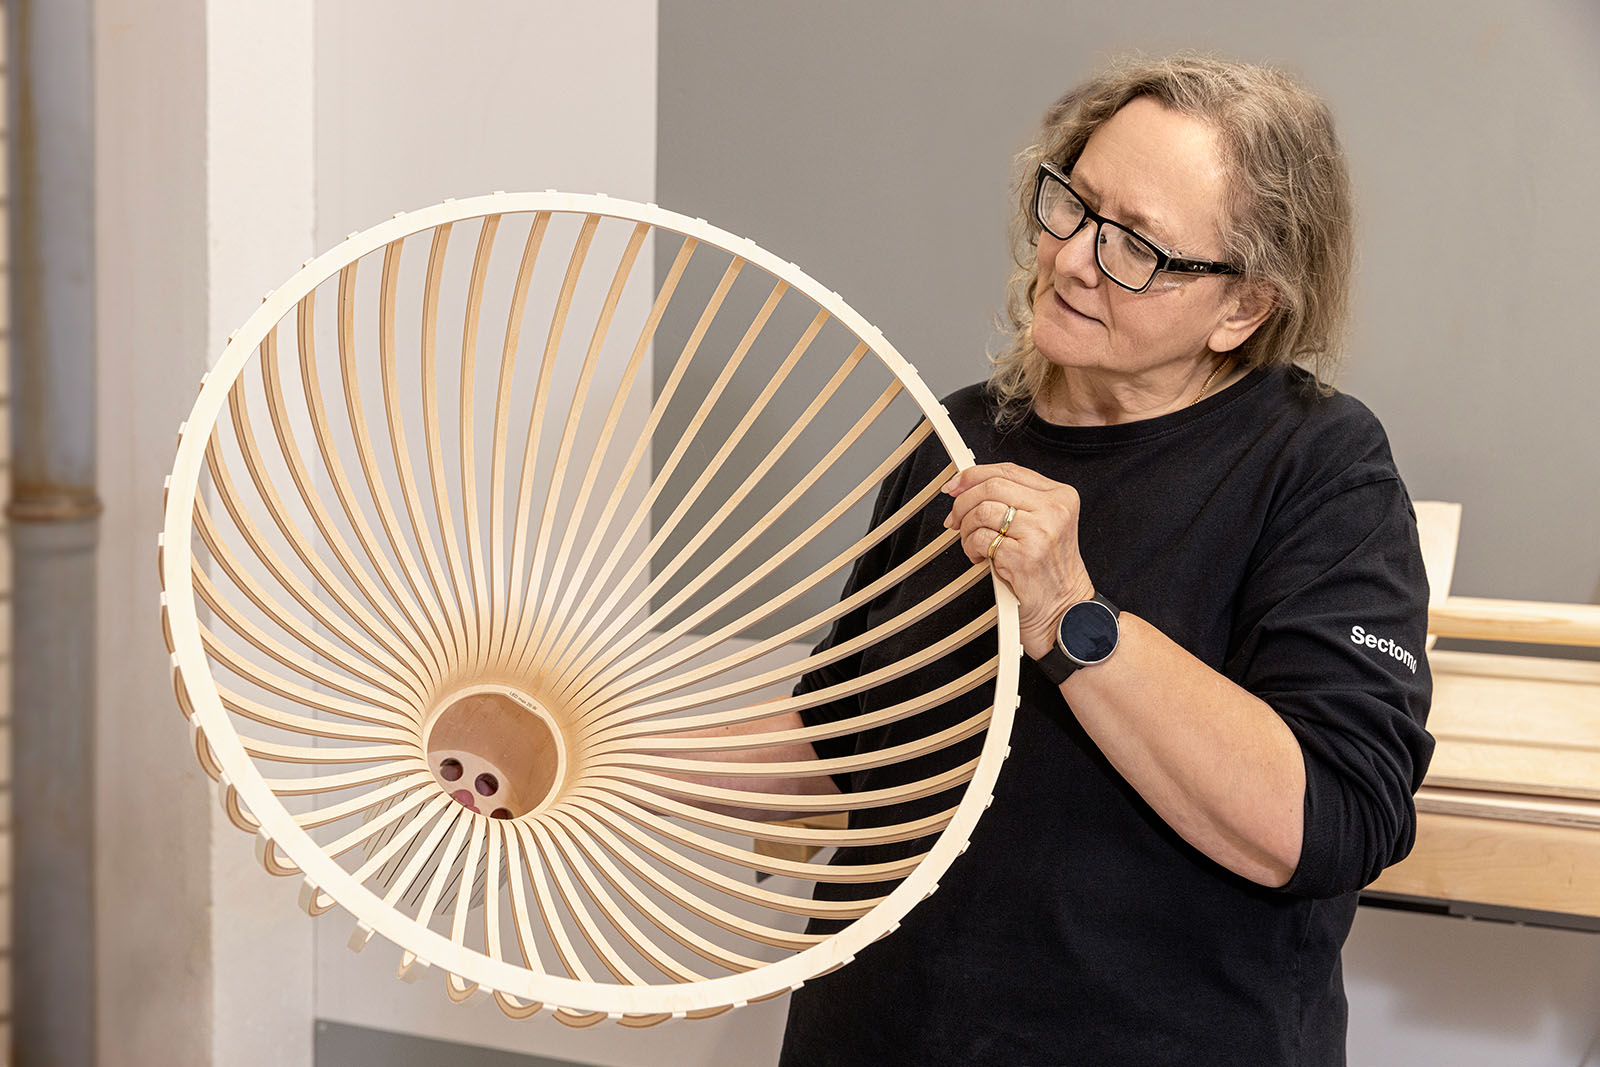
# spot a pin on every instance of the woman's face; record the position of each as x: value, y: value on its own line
x: 1159, y: 172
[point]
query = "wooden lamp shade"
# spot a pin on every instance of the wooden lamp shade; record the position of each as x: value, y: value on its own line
x: 474, y: 536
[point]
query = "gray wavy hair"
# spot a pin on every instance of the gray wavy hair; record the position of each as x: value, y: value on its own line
x: 1288, y: 214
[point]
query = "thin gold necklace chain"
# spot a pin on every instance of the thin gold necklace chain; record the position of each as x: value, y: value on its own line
x: 1201, y: 395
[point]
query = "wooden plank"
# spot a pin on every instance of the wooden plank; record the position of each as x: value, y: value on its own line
x: 618, y: 812
x: 572, y: 640
x: 1514, y: 807
x: 575, y: 686
x: 552, y: 348
x: 1439, y: 529
x: 723, y: 742
x: 551, y: 518
x: 372, y: 473
x: 1507, y: 864
x: 443, y: 508
x: 650, y: 877
x: 1516, y: 724
x: 394, y: 407
x: 302, y: 547
x: 499, y: 582
x: 481, y: 637
x: 1482, y: 619
x: 663, y: 573
x: 581, y: 839
x: 689, y: 622
x: 457, y: 988
x: 602, y: 447
x: 343, y: 486
x: 329, y: 453
x: 630, y: 714
x: 804, y: 768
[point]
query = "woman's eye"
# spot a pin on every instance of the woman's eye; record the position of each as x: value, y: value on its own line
x: 1063, y: 214
x: 1133, y: 248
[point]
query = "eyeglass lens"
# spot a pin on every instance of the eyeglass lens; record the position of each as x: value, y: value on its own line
x: 1125, y: 256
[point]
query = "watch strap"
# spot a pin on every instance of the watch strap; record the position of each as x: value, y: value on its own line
x: 1055, y: 665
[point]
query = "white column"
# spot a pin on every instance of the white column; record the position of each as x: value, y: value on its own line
x: 260, y: 203
x: 152, y: 865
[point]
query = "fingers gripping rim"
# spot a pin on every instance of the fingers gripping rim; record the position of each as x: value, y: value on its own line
x: 285, y: 836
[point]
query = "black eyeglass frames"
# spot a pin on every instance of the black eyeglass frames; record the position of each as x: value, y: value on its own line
x: 1125, y: 256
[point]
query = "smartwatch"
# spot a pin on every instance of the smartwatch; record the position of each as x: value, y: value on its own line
x: 1086, y: 635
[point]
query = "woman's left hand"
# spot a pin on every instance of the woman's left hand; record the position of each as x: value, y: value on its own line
x: 1038, y: 556
x: 1213, y: 760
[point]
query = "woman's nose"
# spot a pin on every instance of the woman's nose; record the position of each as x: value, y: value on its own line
x: 1075, y: 255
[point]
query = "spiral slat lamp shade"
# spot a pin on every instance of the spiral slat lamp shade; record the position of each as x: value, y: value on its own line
x: 472, y: 542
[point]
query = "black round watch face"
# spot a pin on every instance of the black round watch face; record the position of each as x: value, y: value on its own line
x: 1088, y: 632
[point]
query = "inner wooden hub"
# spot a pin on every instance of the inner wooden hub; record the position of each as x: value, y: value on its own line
x: 496, y: 752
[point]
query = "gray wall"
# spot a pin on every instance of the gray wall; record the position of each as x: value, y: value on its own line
x: 871, y: 144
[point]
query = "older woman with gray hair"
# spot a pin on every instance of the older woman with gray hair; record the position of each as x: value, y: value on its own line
x: 1210, y: 758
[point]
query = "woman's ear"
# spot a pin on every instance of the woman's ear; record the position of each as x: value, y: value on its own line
x: 1252, y: 302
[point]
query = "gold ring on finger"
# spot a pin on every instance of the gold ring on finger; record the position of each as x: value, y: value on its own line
x: 1005, y: 523
x: 995, y: 544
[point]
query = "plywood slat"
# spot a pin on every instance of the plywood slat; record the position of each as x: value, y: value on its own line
x: 1516, y: 724
x: 1506, y: 864
x: 1511, y: 807
x: 1534, y: 622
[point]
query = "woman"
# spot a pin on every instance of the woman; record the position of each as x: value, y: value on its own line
x: 1210, y: 758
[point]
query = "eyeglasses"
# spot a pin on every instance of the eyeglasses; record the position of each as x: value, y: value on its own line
x: 1125, y: 256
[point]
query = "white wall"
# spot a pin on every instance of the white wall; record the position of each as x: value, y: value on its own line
x: 416, y: 102
x: 153, y: 878
x: 260, y: 206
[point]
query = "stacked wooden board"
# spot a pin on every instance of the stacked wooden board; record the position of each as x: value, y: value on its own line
x: 1509, y: 815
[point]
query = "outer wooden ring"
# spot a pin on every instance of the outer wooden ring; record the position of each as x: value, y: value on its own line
x: 326, y: 881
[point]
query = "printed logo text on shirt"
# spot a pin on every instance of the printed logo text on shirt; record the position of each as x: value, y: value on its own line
x: 1360, y: 636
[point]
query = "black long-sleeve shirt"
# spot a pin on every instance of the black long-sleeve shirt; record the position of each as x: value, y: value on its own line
x: 1266, y: 531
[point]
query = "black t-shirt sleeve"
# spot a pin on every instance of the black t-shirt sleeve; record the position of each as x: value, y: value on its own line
x: 1331, y: 624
